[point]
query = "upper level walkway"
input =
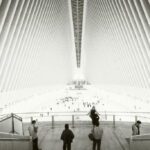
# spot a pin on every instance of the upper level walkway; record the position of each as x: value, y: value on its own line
x: 113, y: 138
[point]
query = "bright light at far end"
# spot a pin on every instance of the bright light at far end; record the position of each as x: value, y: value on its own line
x: 78, y: 75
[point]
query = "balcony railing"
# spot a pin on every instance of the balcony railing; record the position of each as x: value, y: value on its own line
x: 77, y: 117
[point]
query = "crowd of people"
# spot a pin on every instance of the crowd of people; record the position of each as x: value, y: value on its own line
x: 75, y: 104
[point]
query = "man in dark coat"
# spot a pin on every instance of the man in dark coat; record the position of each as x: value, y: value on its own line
x: 67, y: 136
x: 94, y: 116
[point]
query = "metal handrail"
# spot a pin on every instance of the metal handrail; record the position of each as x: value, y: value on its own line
x: 7, y: 116
x: 14, y: 139
x: 77, y: 112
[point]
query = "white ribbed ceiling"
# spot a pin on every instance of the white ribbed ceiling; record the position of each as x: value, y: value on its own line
x: 35, y: 43
x: 117, y: 42
x: 45, y: 42
x: 41, y: 42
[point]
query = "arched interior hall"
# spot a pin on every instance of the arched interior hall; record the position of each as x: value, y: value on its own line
x: 68, y: 55
x: 47, y: 45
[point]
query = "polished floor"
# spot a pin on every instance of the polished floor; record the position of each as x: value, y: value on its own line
x: 113, y: 138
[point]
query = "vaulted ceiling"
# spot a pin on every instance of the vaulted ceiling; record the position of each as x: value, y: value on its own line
x: 44, y: 42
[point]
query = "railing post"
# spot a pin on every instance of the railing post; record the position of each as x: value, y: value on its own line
x: 13, y: 128
x: 105, y: 115
x: 52, y: 122
x: 72, y: 121
x: 114, y: 121
x: 31, y: 119
x: 136, y: 118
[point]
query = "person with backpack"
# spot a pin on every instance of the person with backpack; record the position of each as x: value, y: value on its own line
x: 97, y: 136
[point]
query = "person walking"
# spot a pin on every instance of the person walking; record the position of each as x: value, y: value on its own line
x: 67, y: 136
x: 33, y: 130
x: 97, y: 134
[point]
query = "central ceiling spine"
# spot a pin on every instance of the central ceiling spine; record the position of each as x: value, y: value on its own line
x: 77, y: 15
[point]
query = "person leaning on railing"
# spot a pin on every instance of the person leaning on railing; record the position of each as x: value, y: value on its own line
x: 94, y: 115
x: 136, y: 128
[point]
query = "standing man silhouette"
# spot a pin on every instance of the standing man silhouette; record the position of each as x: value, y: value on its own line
x: 67, y: 136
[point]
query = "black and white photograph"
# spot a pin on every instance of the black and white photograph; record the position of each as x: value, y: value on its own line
x: 74, y: 74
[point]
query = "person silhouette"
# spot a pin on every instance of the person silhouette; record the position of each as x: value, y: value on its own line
x: 67, y: 136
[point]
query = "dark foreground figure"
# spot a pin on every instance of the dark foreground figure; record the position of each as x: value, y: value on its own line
x: 94, y: 116
x: 67, y: 136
